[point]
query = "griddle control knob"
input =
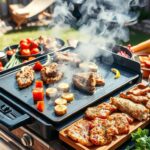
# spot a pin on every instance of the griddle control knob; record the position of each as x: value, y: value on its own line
x: 27, y: 140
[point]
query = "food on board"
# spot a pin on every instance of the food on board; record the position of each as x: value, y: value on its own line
x: 137, y: 111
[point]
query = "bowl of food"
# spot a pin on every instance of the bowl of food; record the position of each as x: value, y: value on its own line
x: 122, y: 51
x: 28, y: 48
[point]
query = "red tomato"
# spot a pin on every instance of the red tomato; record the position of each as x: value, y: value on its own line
x: 25, y: 52
x: 1, y: 65
x: 29, y: 40
x: 34, y: 44
x: 10, y: 52
x: 38, y: 94
x: 24, y: 45
x: 23, y: 41
x: 37, y: 66
x: 38, y: 84
x: 1, y: 68
x: 40, y: 106
x: 35, y: 51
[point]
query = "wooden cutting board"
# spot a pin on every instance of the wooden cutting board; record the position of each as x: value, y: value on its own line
x: 117, y: 141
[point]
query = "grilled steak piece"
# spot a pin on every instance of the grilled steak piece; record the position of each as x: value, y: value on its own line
x: 25, y: 77
x: 137, y: 111
x: 67, y: 57
x: 51, y: 74
x: 85, y: 76
x: 87, y: 84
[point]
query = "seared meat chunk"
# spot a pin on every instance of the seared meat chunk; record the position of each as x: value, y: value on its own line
x: 51, y: 74
x: 67, y: 57
x: 87, y: 81
x: 25, y: 77
x: 86, y: 84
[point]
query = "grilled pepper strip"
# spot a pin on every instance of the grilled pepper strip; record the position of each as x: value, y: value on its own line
x: 38, y: 94
x: 117, y: 73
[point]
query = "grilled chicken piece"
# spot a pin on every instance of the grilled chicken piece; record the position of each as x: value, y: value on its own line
x: 25, y: 77
x: 67, y: 57
x: 136, y: 99
x: 79, y: 132
x: 80, y: 80
x: 137, y: 111
x: 101, y: 111
x: 138, y: 91
x: 103, y: 132
x: 120, y: 122
x: 85, y: 84
x: 50, y: 74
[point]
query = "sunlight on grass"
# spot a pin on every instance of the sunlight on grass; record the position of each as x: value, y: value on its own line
x: 13, y: 37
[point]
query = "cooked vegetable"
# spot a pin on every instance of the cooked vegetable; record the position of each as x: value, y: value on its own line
x: 68, y: 96
x: 39, y: 84
x: 117, y: 73
x: 60, y: 110
x: 64, y: 87
x: 37, y: 66
x: 40, y: 106
x: 31, y: 58
x: 60, y: 101
x: 38, y: 94
x: 142, y: 46
x: 51, y: 92
x: 25, y: 52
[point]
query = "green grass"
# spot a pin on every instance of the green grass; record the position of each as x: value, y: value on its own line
x: 15, y: 36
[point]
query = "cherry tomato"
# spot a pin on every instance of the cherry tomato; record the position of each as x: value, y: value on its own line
x: 24, y: 45
x: 34, y: 44
x: 37, y: 66
x: 35, y: 51
x: 1, y: 68
x: 25, y: 52
x: 40, y: 106
x: 10, y: 52
x: 38, y: 94
x: 23, y: 41
x: 29, y: 40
